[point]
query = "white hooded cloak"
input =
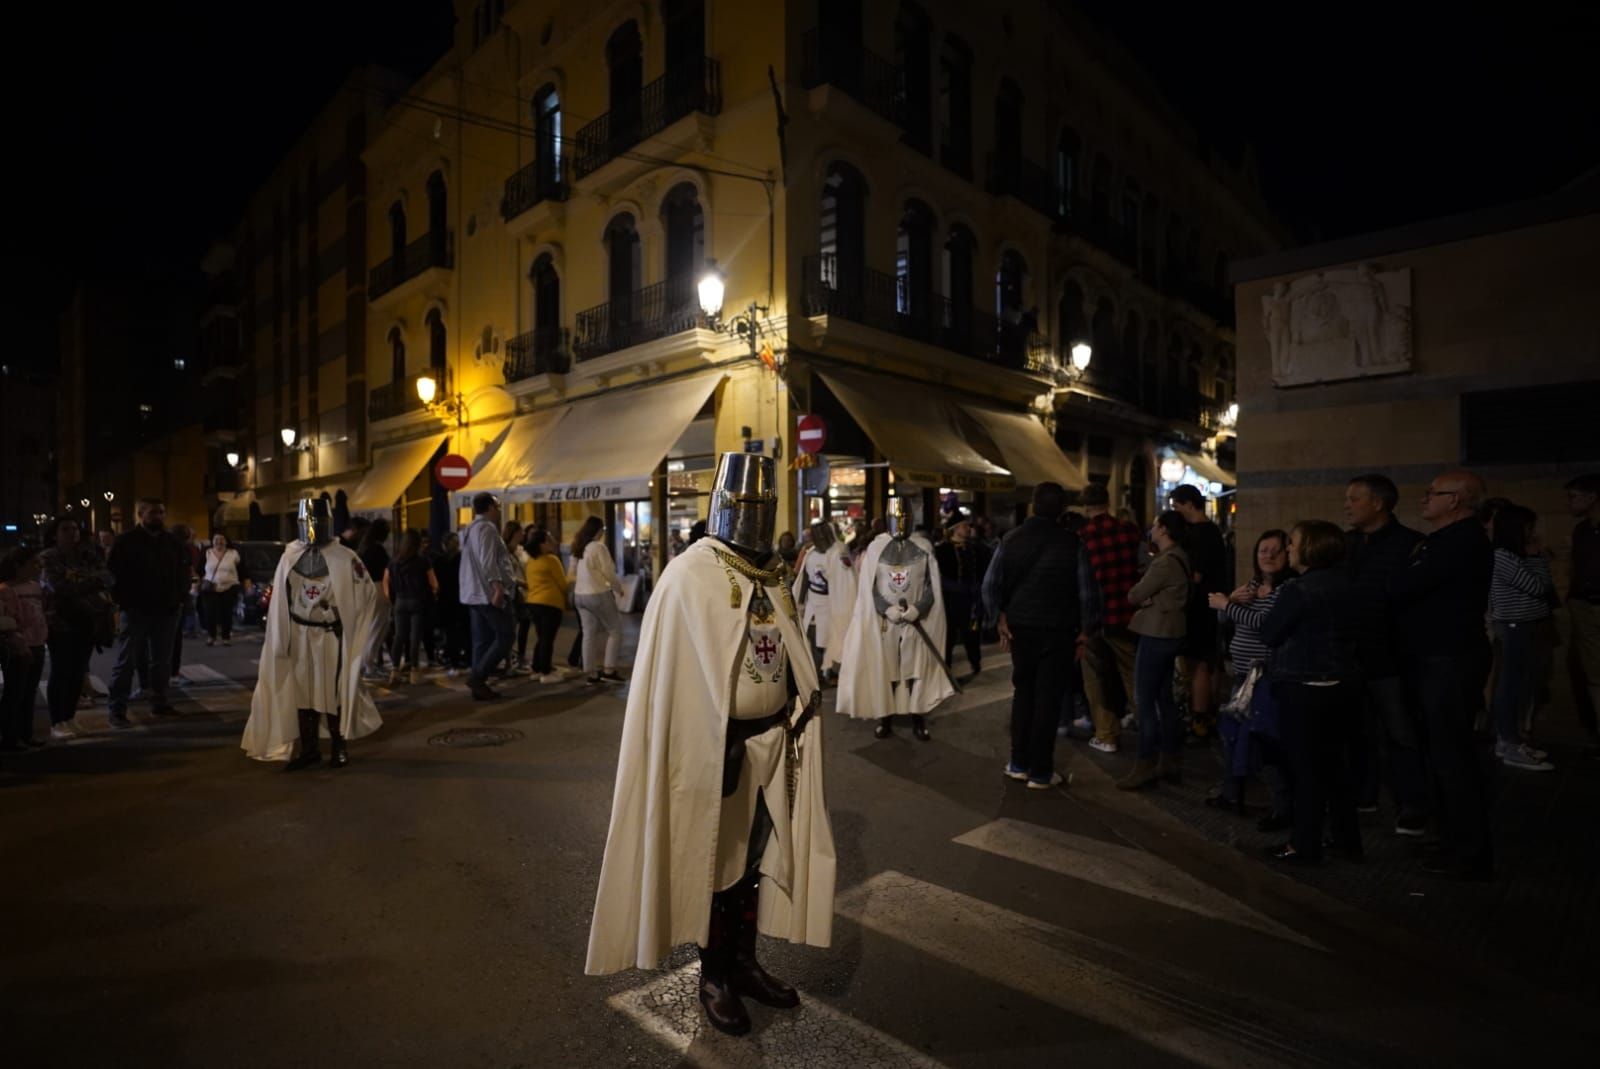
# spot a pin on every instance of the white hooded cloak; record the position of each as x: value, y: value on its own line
x: 274, y: 724
x: 832, y: 619
x: 864, y: 677
x: 661, y: 849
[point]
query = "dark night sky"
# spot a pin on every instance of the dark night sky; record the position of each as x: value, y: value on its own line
x: 152, y: 126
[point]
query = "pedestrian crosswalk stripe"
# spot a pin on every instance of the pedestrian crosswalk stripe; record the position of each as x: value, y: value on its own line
x: 668, y: 1009
x: 1120, y: 868
x: 214, y: 692
x: 1060, y: 968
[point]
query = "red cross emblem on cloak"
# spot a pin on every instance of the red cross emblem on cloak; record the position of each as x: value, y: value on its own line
x: 899, y: 576
x: 766, y: 651
x: 313, y: 593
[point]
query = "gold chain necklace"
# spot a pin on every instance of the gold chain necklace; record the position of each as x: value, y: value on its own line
x: 774, y: 576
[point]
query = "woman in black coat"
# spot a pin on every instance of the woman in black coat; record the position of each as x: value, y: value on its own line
x: 1314, y: 674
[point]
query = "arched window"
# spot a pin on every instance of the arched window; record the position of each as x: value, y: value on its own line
x: 913, y: 55
x: 436, y: 340
x: 397, y: 232
x: 684, y: 223
x: 843, y: 229
x: 1008, y: 126
x: 438, y: 210
x: 955, y: 106
x: 397, y: 355
x: 1104, y: 331
x: 958, y: 257
x: 547, y: 137
x: 1010, y: 283
x: 1072, y: 320
x: 546, y: 295
x: 1068, y: 148
x: 913, y: 262
x: 622, y: 258
x: 625, y: 68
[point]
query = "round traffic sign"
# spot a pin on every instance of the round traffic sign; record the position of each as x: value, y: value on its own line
x: 812, y: 433
x: 453, y: 472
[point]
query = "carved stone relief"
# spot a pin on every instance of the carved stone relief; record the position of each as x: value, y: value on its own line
x: 1345, y: 324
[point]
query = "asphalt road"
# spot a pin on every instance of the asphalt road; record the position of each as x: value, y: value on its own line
x: 168, y: 902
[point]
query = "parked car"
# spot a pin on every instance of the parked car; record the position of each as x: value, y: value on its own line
x: 258, y: 563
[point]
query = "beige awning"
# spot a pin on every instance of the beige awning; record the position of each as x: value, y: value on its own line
x: 1207, y: 468
x: 918, y: 428
x: 610, y: 446
x: 509, y: 470
x: 1027, y: 448
x: 393, y: 469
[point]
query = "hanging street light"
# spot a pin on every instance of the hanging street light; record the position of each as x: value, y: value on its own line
x: 1082, y: 353
x: 232, y: 458
x: 288, y: 436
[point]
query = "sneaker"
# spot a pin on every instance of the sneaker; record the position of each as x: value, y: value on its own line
x: 1013, y: 772
x: 1502, y: 748
x: 1524, y: 758
x: 1411, y: 826
x: 1131, y: 722
x: 1056, y: 780
x: 552, y: 677
x: 1103, y: 745
x: 62, y: 731
x: 1082, y: 727
x: 179, y: 680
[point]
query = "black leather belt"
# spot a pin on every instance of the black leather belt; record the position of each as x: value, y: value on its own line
x: 740, y: 732
x: 335, y: 626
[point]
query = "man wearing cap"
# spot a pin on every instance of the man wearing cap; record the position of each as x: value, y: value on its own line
x: 719, y: 825
x: 963, y: 560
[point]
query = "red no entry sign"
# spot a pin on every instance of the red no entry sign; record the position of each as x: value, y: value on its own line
x: 812, y: 433
x: 453, y: 472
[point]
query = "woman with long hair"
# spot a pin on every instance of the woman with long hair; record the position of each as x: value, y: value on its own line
x: 1159, y: 600
x: 1245, y: 608
x: 1520, y: 590
x: 410, y: 586
x: 1311, y: 668
x: 547, y: 587
x: 594, y: 589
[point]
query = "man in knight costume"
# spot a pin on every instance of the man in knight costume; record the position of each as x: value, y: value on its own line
x: 322, y: 608
x: 825, y: 589
x: 893, y: 660
x: 719, y: 824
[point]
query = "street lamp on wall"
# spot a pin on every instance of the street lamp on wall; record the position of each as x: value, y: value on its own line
x: 1082, y: 353
x: 452, y: 409
x: 288, y: 436
x: 232, y: 458
x: 753, y: 324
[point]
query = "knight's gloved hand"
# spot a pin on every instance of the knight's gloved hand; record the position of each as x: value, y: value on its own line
x: 910, y: 614
x: 893, y: 614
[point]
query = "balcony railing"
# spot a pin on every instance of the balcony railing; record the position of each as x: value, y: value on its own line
x: 835, y: 287
x: 428, y: 251
x: 866, y: 76
x: 635, y: 318
x: 540, y: 351
x: 536, y: 183
x: 1028, y: 182
x: 399, y: 397
x: 682, y: 91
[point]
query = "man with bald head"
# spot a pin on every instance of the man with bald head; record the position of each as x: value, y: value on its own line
x: 1441, y: 596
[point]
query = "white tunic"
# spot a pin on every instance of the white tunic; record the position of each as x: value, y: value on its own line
x: 315, y: 650
x: 762, y: 689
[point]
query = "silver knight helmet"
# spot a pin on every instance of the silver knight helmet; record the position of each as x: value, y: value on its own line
x: 898, y: 519
x: 316, y: 525
x: 744, y: 502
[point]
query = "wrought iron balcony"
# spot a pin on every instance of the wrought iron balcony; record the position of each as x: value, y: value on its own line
x: 428, y: 251
x: 864, y: 75
x: 400, y: 396
x: 836, y: 287
x: 539, y: 181
x: 540, y: 351
x: 635, y: 318
x: 1012, y: 176
x: 682, y: 91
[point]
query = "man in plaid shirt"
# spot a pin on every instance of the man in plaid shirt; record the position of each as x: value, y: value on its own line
x: 1113, y: 547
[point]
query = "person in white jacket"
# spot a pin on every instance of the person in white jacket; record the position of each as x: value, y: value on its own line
x: 595, y: 590
x: 825, y: 589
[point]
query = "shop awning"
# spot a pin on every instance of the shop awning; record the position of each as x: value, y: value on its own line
x: 509, y: 471
x: 1027, y: 448
x: 1207, y: 468
x: 918, y: 428
x: 393, y: 468
x: 610, y: 446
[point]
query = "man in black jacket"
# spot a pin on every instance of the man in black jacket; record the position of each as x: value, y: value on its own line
x: 1046, y: 595
x: 1442, y: 595
x: 963, y: 560
x: 152, y: 581
x: 1376, y: 547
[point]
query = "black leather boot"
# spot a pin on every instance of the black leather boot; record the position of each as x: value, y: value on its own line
x: 717, y: 995
x: 749, y: 978
x: 919, y: 728
x: 341, y: 756
x: 310, y: 750
x: 884, y: 729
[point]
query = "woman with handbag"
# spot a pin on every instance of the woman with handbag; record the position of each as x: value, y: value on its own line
x: 1245, y: 608
x: 1159, y: 598
x: 1313, y: 670
x: 219, y: 588
x: 595, y: 591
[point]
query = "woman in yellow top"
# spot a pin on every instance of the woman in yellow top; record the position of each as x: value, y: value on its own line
x: 546, y: 597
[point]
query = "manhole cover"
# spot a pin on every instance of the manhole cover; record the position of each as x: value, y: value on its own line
x: 466, y: 738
